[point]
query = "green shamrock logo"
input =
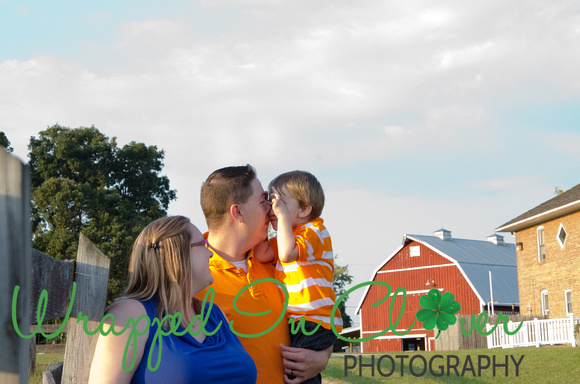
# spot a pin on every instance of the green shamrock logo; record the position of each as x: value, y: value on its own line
x: 438, y: 310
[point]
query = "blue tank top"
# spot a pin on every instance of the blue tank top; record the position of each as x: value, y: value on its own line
x: 219, y: 359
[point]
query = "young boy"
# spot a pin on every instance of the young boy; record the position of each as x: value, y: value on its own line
x: 305, y: 262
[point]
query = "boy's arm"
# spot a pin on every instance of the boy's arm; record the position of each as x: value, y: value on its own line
x: 264, y: 252
x: 287, y: 248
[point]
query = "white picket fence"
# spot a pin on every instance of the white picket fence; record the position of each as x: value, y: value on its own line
x: 534, y: 333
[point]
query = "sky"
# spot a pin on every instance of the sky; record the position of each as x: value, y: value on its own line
x: 414, y: 115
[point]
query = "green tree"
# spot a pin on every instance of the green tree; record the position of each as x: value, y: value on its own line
x: 558, y: 191
x: 341, y: 280
x: 4, y: 142
x: 82, y: 182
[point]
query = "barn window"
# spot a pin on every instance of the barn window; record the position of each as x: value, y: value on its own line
x: 568, y: 296
x: 562, y: 236
x: 415, y: 251
x: 545, y: 307
x: 541, y: 245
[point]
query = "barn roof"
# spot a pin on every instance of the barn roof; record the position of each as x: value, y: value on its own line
x: 475, y: 258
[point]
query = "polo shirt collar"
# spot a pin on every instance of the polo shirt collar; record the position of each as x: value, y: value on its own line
x: 219, y: 262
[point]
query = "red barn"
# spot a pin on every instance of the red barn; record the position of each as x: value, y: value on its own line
x: 478, y: 273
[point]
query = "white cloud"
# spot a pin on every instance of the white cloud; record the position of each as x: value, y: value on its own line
x: 343, y: 67
x: 320, y: 86
x: 149, y: 30
x: 395, y: 131
x: 321, y: 70
x: 470, y: 55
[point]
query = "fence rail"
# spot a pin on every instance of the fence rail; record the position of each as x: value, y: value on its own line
x: 534, y: 333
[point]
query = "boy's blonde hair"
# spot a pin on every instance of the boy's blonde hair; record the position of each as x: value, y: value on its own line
x: 304, y: 187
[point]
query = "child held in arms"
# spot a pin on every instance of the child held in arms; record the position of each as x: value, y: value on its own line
x: 304, y: 259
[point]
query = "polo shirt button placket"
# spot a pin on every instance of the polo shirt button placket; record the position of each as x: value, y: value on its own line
x: 255, y: 289
x: 240, y: 274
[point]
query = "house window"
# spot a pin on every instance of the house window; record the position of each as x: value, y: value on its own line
x: 541, y: 245
x: 568, y: 298
x: 562, y: 236
x: 415, y: 251
x: 545, y: 307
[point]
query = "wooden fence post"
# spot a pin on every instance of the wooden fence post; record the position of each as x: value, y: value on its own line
x: 15, y: 258
x: 91, y: 276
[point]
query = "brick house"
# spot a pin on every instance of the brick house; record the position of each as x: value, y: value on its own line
x: 460, y: 266
x: 548, y: 255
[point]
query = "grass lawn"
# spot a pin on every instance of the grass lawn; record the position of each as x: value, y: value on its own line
x: 42, y: 360
x: 547, y: 364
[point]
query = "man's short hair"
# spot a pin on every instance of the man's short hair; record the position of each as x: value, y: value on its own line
x: 224, y: 187
x: 304, y: 187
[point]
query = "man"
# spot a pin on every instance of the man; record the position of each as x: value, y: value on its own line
x: 236, y: 209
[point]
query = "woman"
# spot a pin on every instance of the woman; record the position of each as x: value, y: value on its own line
x: 169, y: 265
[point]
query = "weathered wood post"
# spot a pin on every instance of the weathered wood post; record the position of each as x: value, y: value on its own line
x: 56, y: 277
x: 15, y: 259
x: 92, y: 277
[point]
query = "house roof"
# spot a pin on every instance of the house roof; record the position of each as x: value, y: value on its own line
x: 475, y: 258
x: 560, y: 205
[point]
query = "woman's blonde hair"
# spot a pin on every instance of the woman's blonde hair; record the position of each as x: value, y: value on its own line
x: 160, y: 267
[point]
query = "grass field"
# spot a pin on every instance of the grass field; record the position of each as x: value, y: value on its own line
x: 550, y: 364
x: 42, y: 361
x: 553, y: 365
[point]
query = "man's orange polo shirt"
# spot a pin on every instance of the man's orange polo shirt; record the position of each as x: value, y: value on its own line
x: 263, y: 297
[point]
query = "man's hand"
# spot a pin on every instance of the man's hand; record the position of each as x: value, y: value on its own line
x: 303, y: 363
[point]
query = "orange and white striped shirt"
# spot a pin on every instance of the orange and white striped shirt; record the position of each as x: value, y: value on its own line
x: 309, y: 280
